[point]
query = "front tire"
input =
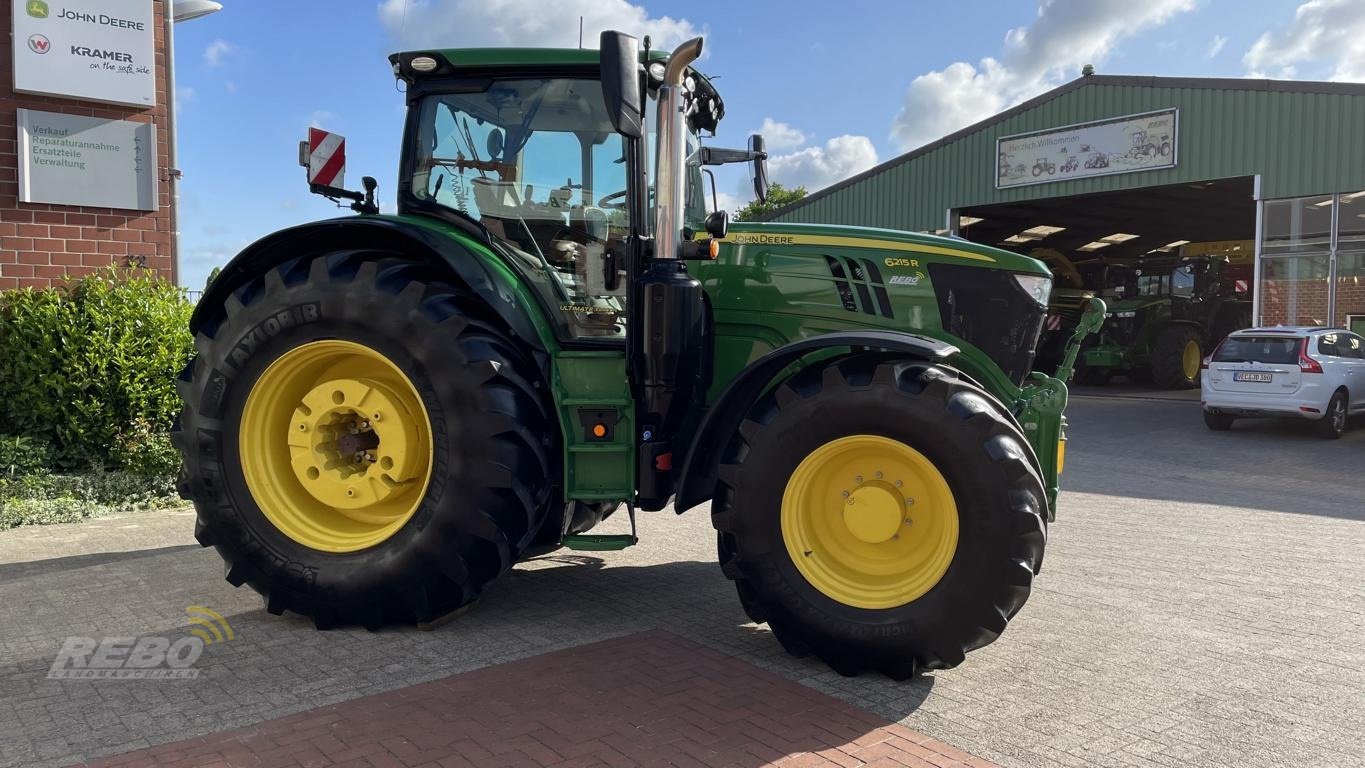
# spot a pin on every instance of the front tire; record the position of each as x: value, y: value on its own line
x: 459, y: 457
x: 871, y: 592
x: 1177, y: 357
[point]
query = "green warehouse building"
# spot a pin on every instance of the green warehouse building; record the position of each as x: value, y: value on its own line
x: 1119, y: 169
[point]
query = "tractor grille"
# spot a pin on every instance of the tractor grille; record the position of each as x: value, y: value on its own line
x: 989, y: 310
x: 859, y: 282
x: 1121, y: 330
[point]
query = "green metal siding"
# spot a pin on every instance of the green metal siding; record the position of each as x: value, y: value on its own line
x: 1300, y: 143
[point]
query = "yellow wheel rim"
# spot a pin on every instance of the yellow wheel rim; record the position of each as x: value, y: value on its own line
x: 335, y: 446
x: 869, y: 521
x: 1191, y: 359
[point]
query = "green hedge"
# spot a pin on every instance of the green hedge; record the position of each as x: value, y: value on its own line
x: 89, y: 369
x: 42, y: 499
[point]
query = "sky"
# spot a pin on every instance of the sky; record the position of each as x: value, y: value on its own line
x: 834, y: 87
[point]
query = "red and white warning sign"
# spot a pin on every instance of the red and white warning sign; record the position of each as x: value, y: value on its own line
x: 326, y: 158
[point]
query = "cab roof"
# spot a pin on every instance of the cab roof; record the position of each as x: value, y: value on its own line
x: 524, y: 57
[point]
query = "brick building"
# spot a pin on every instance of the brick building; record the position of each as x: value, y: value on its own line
x: 42, y: 242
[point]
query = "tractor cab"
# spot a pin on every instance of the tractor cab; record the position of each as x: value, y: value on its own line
x: 532, y: 157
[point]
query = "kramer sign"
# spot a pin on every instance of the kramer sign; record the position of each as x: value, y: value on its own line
x: 1117, y: 145
x: 75, y: 160
x: 99, y: 50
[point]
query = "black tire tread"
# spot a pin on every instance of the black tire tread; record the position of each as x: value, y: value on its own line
x: 457, y: 557
x: 974, y: 409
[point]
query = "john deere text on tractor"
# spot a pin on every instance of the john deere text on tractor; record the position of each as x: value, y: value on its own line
x: 388, y: 411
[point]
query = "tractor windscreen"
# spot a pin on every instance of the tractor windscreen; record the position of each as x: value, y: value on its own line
x: 537, y: 162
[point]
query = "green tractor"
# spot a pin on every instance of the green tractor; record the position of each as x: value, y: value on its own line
x: 387, y: 412
x: 1165, y: 315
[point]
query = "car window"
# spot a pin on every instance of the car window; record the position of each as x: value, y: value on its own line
x: 1258, y: 349
x: 1351, y: 346
x: 1327, y: 345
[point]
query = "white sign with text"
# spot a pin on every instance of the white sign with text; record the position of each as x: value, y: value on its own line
x: 100, y: 50
x: 75, y: 160
x: 1117, y: 145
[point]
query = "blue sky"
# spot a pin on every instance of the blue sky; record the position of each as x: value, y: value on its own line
x: 837, y: 87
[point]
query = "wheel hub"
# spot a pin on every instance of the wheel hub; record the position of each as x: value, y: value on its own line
x: 869, y: 521
x: 335, y: 446
x: 343, y: 451
x: 874, y: 513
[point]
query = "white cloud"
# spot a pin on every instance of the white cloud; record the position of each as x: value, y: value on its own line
x: 727, y: 202
x: 217, y: 51
x: 321, y: 118
x: 818, y: 167
x: 1329, y: 33
x: 230, y: 86
x: 455, y: 23
x: 184, y: 94
x: 779, y: 137
x: 1216, y: 46
x: 1066, y: 35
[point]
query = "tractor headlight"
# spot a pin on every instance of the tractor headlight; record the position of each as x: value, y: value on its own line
x: 1039, y: 288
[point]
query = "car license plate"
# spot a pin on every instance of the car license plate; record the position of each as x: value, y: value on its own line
x: 1253, y: 376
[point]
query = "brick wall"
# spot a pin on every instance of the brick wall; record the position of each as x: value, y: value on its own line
x: 1311, y: 307
x: 40, y: 243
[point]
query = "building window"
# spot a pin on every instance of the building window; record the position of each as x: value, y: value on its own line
x: 1296, y: 248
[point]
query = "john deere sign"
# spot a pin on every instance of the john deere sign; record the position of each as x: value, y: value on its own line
x: 1116, y: 145
x: 100, y: 50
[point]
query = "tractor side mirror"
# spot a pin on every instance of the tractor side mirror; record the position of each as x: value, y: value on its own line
x: 759, y: 170
x: 718, y: 224
x: 620, y: 56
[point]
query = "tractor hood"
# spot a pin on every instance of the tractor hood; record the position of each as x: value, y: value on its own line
x: 948, y: 249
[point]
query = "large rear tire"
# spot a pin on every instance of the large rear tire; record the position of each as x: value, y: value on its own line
x: 820, y: 543
x: 328, y: 515
x: 1176, y: 358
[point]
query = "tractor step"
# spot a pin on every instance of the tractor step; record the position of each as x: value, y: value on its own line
x: 599, y: 542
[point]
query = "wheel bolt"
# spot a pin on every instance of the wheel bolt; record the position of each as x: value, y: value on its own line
x: 858, y: 479
x: 908, y: 521
x: 909, y: 502
x: 879, y: 475
x: 845, y: 494
x: 375, y: 416
x: 364, y: 425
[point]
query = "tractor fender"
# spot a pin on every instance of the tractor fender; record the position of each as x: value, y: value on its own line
x: 698, y: 479
x: 378, y: 233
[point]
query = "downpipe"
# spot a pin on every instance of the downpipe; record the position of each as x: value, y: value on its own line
x: 667, y: 349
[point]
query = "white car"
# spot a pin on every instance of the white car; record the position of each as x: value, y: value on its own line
x: 1305, y: 372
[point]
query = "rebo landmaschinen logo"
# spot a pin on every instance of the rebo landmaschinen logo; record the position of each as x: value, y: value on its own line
x: 36, y: 8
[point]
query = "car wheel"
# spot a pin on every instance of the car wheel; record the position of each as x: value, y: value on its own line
x: 1218, y: 422
x: 1333, y: 422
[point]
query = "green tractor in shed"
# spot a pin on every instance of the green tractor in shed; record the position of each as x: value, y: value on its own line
x: 1165, y: 314
x: 388, y: 411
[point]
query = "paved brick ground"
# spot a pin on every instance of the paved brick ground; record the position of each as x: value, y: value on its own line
x: 1202, y: 604
x: 648, y: 699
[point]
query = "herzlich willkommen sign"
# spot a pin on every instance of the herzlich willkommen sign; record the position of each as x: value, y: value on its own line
x: 75, y: 160
x: 1117, y: 145
x: 99, y: 50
